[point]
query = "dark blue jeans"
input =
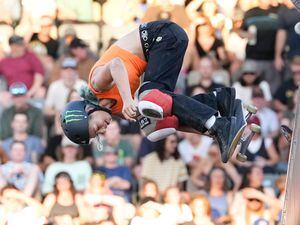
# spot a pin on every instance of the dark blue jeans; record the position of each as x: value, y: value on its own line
x: 164, y: 45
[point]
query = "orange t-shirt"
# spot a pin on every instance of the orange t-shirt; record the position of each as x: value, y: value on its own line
x: 135, y: 68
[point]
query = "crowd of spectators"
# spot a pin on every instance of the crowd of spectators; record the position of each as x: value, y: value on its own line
x: 46, y: 51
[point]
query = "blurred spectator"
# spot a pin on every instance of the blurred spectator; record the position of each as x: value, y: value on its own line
x: 43, y: 36
x: 174, y: 208
x: 205, y: 44
x: 100, y: 202
x: 3, y: 156
x: 64, y: 42
x: 118, y: 177
x: 205, y: 75
x: 249, y: 79
x: 165, y: 158
x: 284, y: 96
x: 199, y: 175
x: 218, y: 195
x: 113, y: 139
x: 34, y: 145
x: 22, y: 65
x: 149, y: 213
x: 20, y: 104
x: 58, y: 91
x: 64, y: 206
x: 260, y: 26
x: 201, y: 211
x: 10, y: 11
x: 25, y: 176
x: 149, y: 188
x: 75, y: 10
x: 261, y: 152
x: 287, y: 39
x: 71, y: 162
x: 17, y: 208
x: 193, y: 148
x: 269, y: 122
x: 84, y: 57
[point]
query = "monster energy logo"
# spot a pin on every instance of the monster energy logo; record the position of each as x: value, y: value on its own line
x: 73, y: 116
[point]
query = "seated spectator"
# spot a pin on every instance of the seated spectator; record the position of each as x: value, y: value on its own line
x: 149, y: 189
x: 17, y: 208
x: 24, y: 175
x: 205, y: 75
x: 200, y: 174
x: 30, y: 70
x: 205, y: 44
x: 268, y: 118
x: 20, y: 104
x: 219, y: 197
x: 193, y: 148
x: 34, y: 145
x: 101, y: 204
x: 64, y: 42
x: 261, y: 152
x: 201, y: 211
x: 64, y: 205
x: 84, y: 57
x: 174, y: 208
x: 118, y: 177
x: 284, y: 96
x: 252, y: 209
x: 58, y: 91
x: 71, y: 162
x: 165, y: 158
x: 149, y: 213
x: 249, y: 79
x: 43, y: 36
x: 113, y: 139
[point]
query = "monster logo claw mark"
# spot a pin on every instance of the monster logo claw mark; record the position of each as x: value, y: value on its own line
x: 73, y: 116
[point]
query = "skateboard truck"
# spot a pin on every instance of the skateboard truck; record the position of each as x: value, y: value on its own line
x: 246, y: 141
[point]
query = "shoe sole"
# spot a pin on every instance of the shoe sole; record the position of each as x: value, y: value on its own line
x: 150, y: 110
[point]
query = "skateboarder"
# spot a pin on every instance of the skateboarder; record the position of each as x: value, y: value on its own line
x: 156, y: 49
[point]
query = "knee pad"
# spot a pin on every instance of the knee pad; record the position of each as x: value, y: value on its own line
x: 155, y: 104
x: 156, y: 130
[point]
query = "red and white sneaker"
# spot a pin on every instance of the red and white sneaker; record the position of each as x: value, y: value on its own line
x: 156, y: 130
x: 155, y: 104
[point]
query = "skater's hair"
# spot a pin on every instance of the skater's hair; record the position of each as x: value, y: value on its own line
x: 160, y: 149
x: 225, y: 187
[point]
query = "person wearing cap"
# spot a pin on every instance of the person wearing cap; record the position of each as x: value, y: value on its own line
x: 20, y: 103
x: 70, y: 162
x: 155, y: 49
x: 58, y: 90
x: 23, y: 66
x: 85, y: 58
x: 43, y: 36
x: 250, y: 77
x: 118, y: 177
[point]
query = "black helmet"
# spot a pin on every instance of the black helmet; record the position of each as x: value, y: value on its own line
x: 75, y: 120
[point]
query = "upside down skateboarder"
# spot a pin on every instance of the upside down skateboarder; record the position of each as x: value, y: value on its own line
x: 156, y: 49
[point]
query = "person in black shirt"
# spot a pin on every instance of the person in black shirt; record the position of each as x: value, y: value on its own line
x: 44, y: 37
x: 260, y: 26
x: 287, y: 41
x: 285, y: 95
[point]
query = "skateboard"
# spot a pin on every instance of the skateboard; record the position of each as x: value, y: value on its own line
x: 241, y: 123
x: 286, y: 132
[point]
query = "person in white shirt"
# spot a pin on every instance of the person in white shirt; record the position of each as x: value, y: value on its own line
x: 58, y: 90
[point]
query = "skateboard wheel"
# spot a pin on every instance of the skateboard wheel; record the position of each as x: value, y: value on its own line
x: 241, y: 157
x: 251, y: 109
x: 255, y: 128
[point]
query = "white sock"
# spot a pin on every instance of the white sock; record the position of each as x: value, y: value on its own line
x: 210, y: 122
